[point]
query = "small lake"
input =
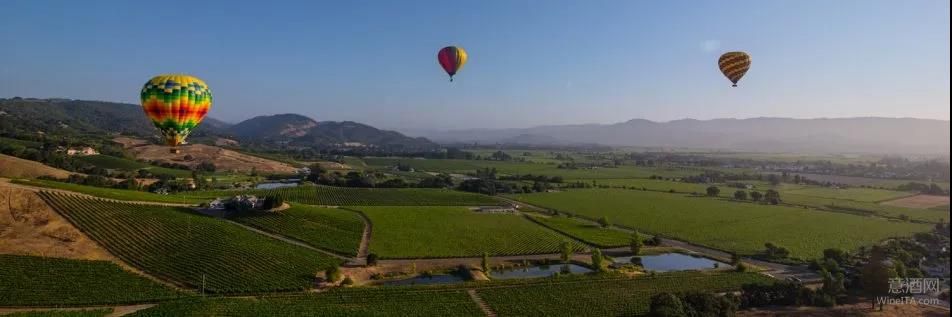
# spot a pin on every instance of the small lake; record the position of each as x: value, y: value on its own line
x: 424, y: 280
x: 667, y: 262
x: 538, y: 271
x: 274, y: 185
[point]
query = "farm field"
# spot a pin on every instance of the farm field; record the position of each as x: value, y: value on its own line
x: 439, y: 232
x: 14, y: 167
x: 655, y: 185
x: 390, y: 301
x: 919, y: 201
x: 350, y: 196
x: 64, y: 313
x: 621, y: 297
x: 585, y: 230
x: 192, y: 250
x: 111, y: 162
x: 734, y: 226
x: 865, y: 181
x: 852, y: 193
x: 113, y: 193
x: 462, y: 166
x: 867, y: 208
x: 331, y: 229
x: 40, y: 281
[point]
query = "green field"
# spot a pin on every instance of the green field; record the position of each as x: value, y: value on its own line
x: 189, y: 249
x: 735, y: 226
x: 588, y: 295
x: 463, y: 166
x: 39, y: 281
x: 335, y: 230
x: 64, y: 313
x: 852, y: 193
x: 586, y: 231
x: 436, y: 232
x: 311, y: 195
x: 860, y: 207
x: 621, y: 297
x: 656, y: 185
x: 114, y: 193
x: 112, y: 162
x: 385, y: 301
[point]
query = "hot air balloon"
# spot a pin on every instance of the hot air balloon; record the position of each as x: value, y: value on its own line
x: 734, y: 65
x: 176, y: 104
x: 452, y: 59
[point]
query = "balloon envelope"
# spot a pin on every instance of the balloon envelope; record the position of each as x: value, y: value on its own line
x: 452, y: 59
x: 176, y: 104
x: 734, y: 65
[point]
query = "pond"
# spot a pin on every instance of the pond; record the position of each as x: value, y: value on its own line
x: 538, y: 271
x: 273, y: 185
x: 667, y: 262
x: 426, y: 279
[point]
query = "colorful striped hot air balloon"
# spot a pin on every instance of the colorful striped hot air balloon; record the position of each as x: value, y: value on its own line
x: 734, y: 65
x: 452, y: 59
x: 176, y: 104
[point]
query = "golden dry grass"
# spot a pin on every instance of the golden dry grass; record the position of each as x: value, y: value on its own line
x: 13, y: 167
x: 224, y: 160
x: 28, y: 226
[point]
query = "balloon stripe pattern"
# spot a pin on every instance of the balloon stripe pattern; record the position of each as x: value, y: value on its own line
x: 734, y: 65
x: 176, y: 104
x: 451, y: 58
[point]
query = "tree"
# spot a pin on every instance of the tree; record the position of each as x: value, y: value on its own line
x: 603, y: 222
x: 485, y: 263
x: 713, y: 191
x: 636, y: 243
x: 332, y: 274
x: 666, y: 305
x: 756, y: 196
x: 372, y: 259
x: 567, y: 251
x: 876, y: 274
x: 597, y: 260
x: 773, y: 179
x: 772, y: 197
x: 740, y: 195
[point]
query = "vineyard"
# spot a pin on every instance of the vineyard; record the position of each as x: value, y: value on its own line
x: 112, y: 193
x: 178, y: 245
x: 64, y: 313
x: 435, y: 232
x: 39, y: 281
x: 620, y: 297
x: 327, y: 228
x: 583, y: 295
x: 112, y: 162
x: 349, y: 196
x: 389, y: 301
x: 860, y: 207
x: 506, y: 167
x: 586, y: 231
x: 735, y: 226
x: 854, y: 193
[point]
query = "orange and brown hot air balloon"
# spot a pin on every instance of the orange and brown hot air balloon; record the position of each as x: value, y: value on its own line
x: 734, y: 65
x: 175, y: 104
x: 452, y: 59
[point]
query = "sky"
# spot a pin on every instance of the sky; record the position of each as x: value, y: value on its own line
x: 531, y: 62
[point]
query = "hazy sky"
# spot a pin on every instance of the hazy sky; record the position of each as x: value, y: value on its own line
x: 531, y: 62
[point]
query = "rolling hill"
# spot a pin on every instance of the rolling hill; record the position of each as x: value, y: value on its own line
x: 66, y: 116
x: 857, y: 135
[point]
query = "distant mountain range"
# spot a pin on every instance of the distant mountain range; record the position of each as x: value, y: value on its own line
x: 841, y: 135
x: 285, y: 130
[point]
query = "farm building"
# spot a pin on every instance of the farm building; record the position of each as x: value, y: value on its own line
x: 81, y: 151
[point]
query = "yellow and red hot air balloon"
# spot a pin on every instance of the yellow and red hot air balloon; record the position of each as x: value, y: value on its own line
x: 734, y: 65
x: 176, y: 104
x: 452, y: 59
